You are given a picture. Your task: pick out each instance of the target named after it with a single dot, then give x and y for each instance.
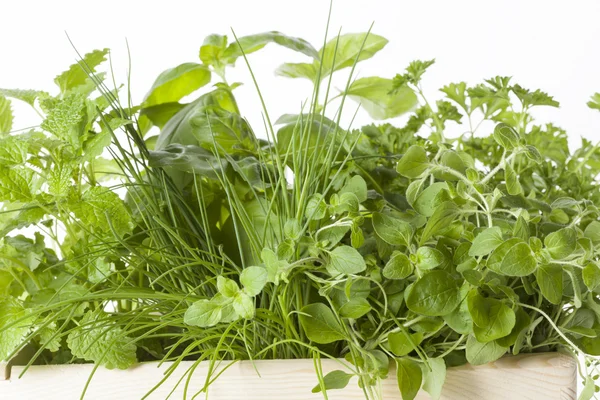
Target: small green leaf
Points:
(356, 185)
(434, 195)
(102, 209)
(434, 372)
(103, 342)
(320, 324)
(400, 344)
(410, 378)
(589, 387)
(392, 230)
(345, 260)
(443, 216)
(492, 318)
(244, 305)
(175, 83)
(550, 279)
(203, 313)
(513, 186)
(506, 136)
(6, 115)
(355, 308)
(482, 353)
(429, 258)
(398, 267)
(591, 276)
(334, 380)
(227, 287)
(62, 121)
(78, 74)
(413, 163)
(211, 51)
(11, 338)
(435, 294)
(486, 242)
(592, 231)
(253, 279)
(513, 258)
(561, 243)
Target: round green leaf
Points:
(398, 267)
(435, 294)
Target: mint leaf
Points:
(6, 116)
(62, 121)
(102, 209)
(78, 74)
(203, 313)
(101, 341)
(253, 279)
(11, 338)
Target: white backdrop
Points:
(546, 44)
(552, 45)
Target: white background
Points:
(552, 45)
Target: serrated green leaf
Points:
(11, 338)
(6, 115)
(63, 120)
(203, 313)
(102, 209)
(102, 342)
(77, 74)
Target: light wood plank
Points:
(548, 376)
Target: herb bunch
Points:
(373, 246)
